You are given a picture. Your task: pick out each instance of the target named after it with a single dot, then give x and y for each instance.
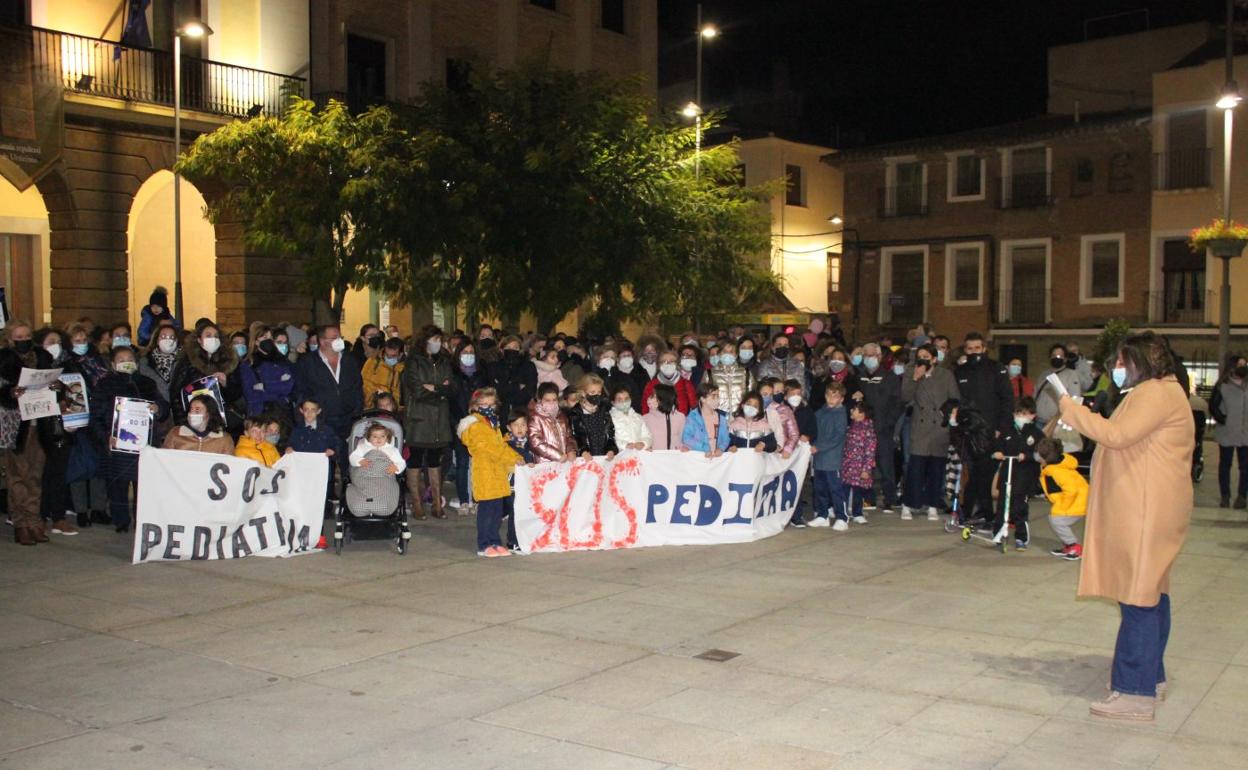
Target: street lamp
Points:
(836, 220)
(1227, 102)
(194, 29)
(694, 108)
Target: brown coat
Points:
(1140, 503)
(185, 439)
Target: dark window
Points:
(965, 274)
(366, 72)
(1082, 179)
(1103, 262)
(550, 5)
(968, 179)
(613, 15)
(458, 74)
(834, 272)
(13, 12)
(794, 195)
(1120, 176)
(1183, 273)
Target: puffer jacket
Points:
(733, 383)
(493, 461)
(697, 437)
(858, 457)
(193, 365)
(187, 440)
(550, 438)
(783, 426)
(1065, 487)
(275, 377)
(929, 434)
(263, 452)
(594, 432)
(428, 411)
(380, 377)
(630, 428)
(788, 369)
(1229, 407)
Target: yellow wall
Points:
(23, 213)
(90, 18)
(150, 238)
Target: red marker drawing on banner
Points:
(629, 467)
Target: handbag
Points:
(10, 424)
(83, 461)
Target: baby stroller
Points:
(372, 496)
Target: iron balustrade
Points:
(1183, 169)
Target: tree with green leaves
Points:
(314, 185)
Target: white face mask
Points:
(794, 401)
(197, 421)
(433, 346)
(54, 350)
(749, 411)
(607, 363)
(167, 344)
(668, 369)
(210, 344)
(688, 364)
(338, 345)
(747, 355)
(626, 364)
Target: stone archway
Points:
(25, 235)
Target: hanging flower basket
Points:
(1221, 239)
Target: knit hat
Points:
(160, 296)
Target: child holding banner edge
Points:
(492, 463)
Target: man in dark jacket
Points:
(984, 385)
(881, 390)
(332, 380)
(515, 377)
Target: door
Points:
(904, 301)
(1028, 300)
(18, 256)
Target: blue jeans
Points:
(925, 481)
(1142, 638)
(1225, 455)
(829, 494)
(489, 518)
(856, 496)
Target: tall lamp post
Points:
(836, 220)
(694, 109)
(1229, 100)
(195, 29)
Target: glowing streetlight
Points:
(709, 31)
(196, 30)
(694, 109)
(691, 110)
(836, 220)
(1227, 102)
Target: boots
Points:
(39, 532)
(414, 492)
(23, 536)
(435, 494)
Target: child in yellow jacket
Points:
(492, 462)
(1067, 491)
(259, 441)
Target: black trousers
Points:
(55, 500)
(978, 486)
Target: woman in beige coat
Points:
(1139, 508)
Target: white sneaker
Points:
(906, 513)
(932, 513)
(869, 507)
(454, 504)
(860, 519)
(818, 521)
(841, 525)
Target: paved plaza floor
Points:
(891, 646)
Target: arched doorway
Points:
(149, 235)
(24, 248)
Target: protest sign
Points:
(75, 407)
(207, 386)
(195, 506)
(38, 400)
(657, 498)
(132, 424)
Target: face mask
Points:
(197, 421)
(490, 413)
(715, 360)
(727, 359)
(871, 362)
(54, 350)
(607, 363)
(747, 355)
(780, 353)
(127, 367)
(1015, 370)
(375, 341)
(240, 350)
(1120, 375)
(940, 356)
(1057, 362)
(794, 401)
(973, 358)
(688, 364)
(392, 360)
(312, 347)
(81, 348)
(778, 398)
(338, 345)
(836, 365)
(273, 438)
(1022, 422)
(121, 342)
(268, 347)
(668, 369)
(626, 364)
(167, 344)
(623, 406)
(750, 411)
(433, 347)
(468, 359)
(511, 355)
(650, 358)
(210, 344)
(283, 348)
(856, 359)
(548, 408)
(1072, 359)
(1241, 372)
(899, 369)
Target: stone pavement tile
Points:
(835, 726)
(1222, 714)
(757, 636)
(617, 690)
(553, 717)
(1206, 638)
(1032, 697)
(17, 629)
(673, 669)
(168, 589)
(1064, 668)
(835, 662)
(869, 601)
(22, 726)
(290, 724)
(980, 723)
(574, 755)
(917, 671)
(741, 600)
(623, 622)
(420, 691)
(89, 613)
(166, 633)
(752, 754)
(1104, 742)
(288, 607)
(1186, 754)
(455, 745)
(911, 747)
(303, 645)
(102, 750)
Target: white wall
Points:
(150, 238)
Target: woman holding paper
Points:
(1139, 509)
(119, 428)
(23, 455)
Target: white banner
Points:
(657, 498)
(195, 505)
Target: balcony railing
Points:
(902, 308)
(1192, 308)
(903, 201)
(1021, 191)
(105, 68)
(1183, 169)
(1023, 307)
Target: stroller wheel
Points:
(966, 534)
(1004, 545)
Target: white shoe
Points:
(869, 507)
(860, 519)
(818, 521)
(932, 514)
(454, 504)
(906, 513)
(841, 525)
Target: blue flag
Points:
(135, 34)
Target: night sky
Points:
(868, 71)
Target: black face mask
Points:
(267, 347)
(23, 346)
(1072, 359)
(375, 341)
(780, 353)
(974, 358)
(1241, 372)
(486, 344)
(1058, 362)
(511, 355)
(599, 400)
